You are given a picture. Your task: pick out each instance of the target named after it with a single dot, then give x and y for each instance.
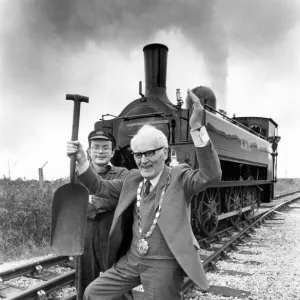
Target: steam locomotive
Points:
(247, 146)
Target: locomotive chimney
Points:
(155, 56)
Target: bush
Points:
(25, 215)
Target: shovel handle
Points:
(75, 127)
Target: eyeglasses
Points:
(148, 154)
(102, 148)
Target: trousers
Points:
(93, 260)
(159, 282)
(89, 265)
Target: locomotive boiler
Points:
(247, 146)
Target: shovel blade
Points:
(69, 208)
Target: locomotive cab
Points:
(265, 127)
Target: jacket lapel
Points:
(129, 189)
(128, 194)
(162, 182)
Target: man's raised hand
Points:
(197, 117)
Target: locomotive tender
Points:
(247, 146)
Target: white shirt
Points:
(200, 136)
(153, 181)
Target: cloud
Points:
(258, 25)
(40, 35)
(50, 47)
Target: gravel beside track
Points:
(24, 282)
(273, 261)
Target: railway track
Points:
(215, 248)
(242, 234)
(43, 273)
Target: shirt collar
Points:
(155, 180)
(105, 168)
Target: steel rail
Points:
(287, 194)
(41, 290)
(225, 232)
(33, 267)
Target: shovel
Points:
(70, 203)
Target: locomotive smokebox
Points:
(155, 56)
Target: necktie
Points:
(147, 187)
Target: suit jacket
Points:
(174, 219)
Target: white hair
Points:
(149, 132)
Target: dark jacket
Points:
(101, 204)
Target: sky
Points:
(248, 52)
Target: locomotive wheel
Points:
(208, 210)
(251, 197)
(234, 198)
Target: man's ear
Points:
(113, 152)
(88, 151)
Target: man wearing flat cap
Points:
(162, 248)
(92, 262)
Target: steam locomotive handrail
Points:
(235, 122)
(242, 183)
(127, 118)
(150, 122)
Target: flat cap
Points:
(101, 135)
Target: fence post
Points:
(41, 176)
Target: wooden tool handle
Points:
(75, 127)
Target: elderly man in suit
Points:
(161, 247)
